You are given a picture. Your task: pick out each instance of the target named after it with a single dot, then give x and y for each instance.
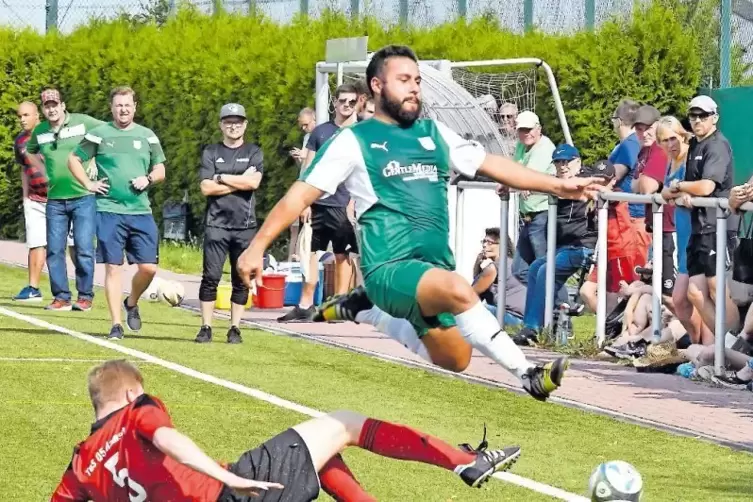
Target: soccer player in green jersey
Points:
(397, 169)
(129, 160)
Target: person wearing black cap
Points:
(576, 241)
(230, 173)
(709, 172)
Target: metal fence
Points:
(551, 16)
(657, 203)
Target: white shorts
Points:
(35, 216)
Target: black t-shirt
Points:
(320, 135)
(710, 159)
(576, 224)
(236, 210)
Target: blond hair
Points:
(673, 124)
(107, 381)
(122, 90)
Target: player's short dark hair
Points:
(345, 89)
(380, 57)
(626, 111)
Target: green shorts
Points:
(392, 287)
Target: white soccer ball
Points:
(615, 481)
(172, 292)
(152, 292)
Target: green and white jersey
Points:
(122, 155)
(398, 178)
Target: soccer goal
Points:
(479, 100)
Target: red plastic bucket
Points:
(271, 295)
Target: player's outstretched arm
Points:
(300, 196)
(514, 175)
(183, 450)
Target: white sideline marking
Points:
(262, 396)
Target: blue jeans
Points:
(567, 261)
(510, 319)
(531, 245)
(80, 212)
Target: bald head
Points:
(28, 115)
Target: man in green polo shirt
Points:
(129, 160)
(68, 201)
(534, 150)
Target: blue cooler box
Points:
(294, 283)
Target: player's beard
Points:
(394, 108)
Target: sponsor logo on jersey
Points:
(136, 144)
(380, 146)
(415, 171)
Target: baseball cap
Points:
(527, 120)
(704, 103)
(232, 110)
(647, 115)
(565, 152)
(51, 95)
(602, 169)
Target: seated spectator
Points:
(485, 279)
(576, 240)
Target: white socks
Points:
(481, 329)
(397, 329)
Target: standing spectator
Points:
(576, 241)
(328, 215)
(648, 178)
(34, 186)
(508, 113)
(69, 204)
(673, 137)
(364, 95)
(230, 173)
(709, 172)
(129, 160)
(307, 123)
(624, 157)
(534, 150)
(368, 110)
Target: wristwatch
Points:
(149, 178)
(218, 179)
(675, 185)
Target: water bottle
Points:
(564, 324)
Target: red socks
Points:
(340, 484)
(401, 442)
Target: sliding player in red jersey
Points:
(135, 454)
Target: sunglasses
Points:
(489, 242)
(699, 116)
(507, 117)
(350, 102)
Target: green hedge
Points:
(186, 69)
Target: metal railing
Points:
(657, 205)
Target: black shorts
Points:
(331, 224)
(669, 271)
(702, 253)
(284, 459)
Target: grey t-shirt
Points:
(319, 136)
(516, 292)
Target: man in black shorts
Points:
(135, 453)
(231, 171)
(328, 216)
(709, 172)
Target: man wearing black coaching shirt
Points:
(230, 173)
(709, 172)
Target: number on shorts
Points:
(138, 494)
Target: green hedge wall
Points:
(186, 69)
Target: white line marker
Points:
(262, 396)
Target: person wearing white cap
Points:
(230, 174)
(534, 150)
(709, 172)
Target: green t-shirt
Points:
(122, 155)
(398, 177)
(55, 147)
(538, 158)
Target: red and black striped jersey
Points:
(35, 175)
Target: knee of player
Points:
(460, 292)
(148, 268)
(352, 423)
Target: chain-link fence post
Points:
(528, 15)
(51, 10)
(305, 7)
(355, 7)
(404, 13)
(725, 44)
(462, 8)
(590, 14)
